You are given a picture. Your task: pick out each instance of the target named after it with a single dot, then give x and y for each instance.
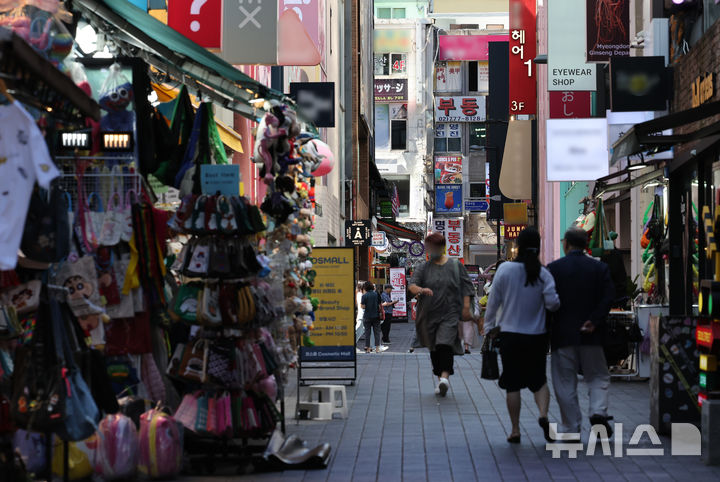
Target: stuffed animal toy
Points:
(116, 95)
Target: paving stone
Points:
(398, 430)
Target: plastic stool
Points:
(317, 410)
(328, 394)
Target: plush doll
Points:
(116, 95)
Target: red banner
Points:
(198, 20)
(570, 104)
(523, 48)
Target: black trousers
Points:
(385, 327)
(372, 327)
(442, 359)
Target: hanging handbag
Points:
(113, 221)
(600, 241)
(125, 217)
(185, 305)
(219, 266)
(81, 412)
(186, 413)
(47, 234)
(80, 278)
(25, 298)
(38, 392)
(209, 305)
(194, 363)
(199, 262)
(151, 377)
(220, 361)
(126, 306)
(490, 369)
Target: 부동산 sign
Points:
(333, 332)
(567, 67)
(460, 108)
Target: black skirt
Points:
(523, 361)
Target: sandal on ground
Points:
(514, 439)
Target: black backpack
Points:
(46, 237)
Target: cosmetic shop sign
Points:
(333, 332)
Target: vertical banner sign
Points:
(452, 229)
(333, 331)
(250, 23)
(523, 46)
(198, 20)
(398, 282)
(567, 67)
(608, 29)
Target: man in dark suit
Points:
(586, 292)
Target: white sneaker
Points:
(383, 348)
(442, 387)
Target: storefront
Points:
(112, 303)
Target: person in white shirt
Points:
(523, 290)
(359, 292)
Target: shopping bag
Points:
(81, 456)
(490, 369)
(186, 413)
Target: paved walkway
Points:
(397, 430)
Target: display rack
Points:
(629, 366)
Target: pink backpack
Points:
(160, 445)
(117, 453)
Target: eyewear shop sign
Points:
(391, 90)
(567, 68)
(460, 109)
(334, 330)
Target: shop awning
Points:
(397, 230)
(141, 35)
(228, 136)
(647, 136)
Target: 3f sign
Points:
(515, 105)
(250, 15)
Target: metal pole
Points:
(499, 250)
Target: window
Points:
(447, 77)
(403, 187)
(383, 12)
(382, 64)
(398, 13)
(477, 136)
(448, 137)
(391, 126)
(382, 126)
(477, 190)
(398, 126)
(387, 64)
(472, 76)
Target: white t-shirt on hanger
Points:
(24, 159)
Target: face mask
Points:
(435, 256)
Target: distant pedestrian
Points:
(586, 293)
(359, 292)
(370, 303)
(445, 289)
(388, 304)
(523, 290)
